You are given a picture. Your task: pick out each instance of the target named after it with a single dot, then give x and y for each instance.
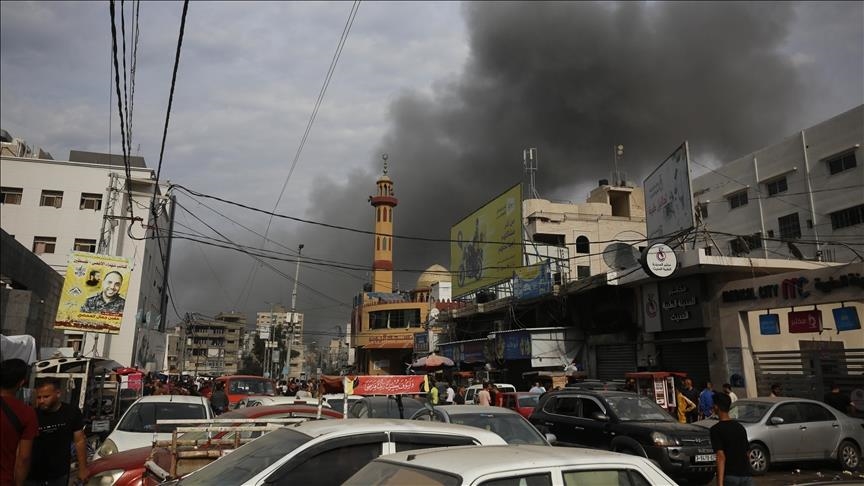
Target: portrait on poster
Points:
(94, 293)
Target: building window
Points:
(583, 271)
(744, 244)
(44, 244)
(11, 195)
(738, 199)
(52, 199)
(702, 209)
(394, 319)
(91, 201)
(777, 186)
(88, 246)
(842, 162)
(847, 217)
(790, 227)
(583, 245)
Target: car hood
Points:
(672, 429)
(133, 440)
(126, 460)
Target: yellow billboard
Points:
(486, 246)
(93, 293)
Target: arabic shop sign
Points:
(680, 304)
(421, 342)
(805, 321)
(793, 288)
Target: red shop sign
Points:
(805, 321)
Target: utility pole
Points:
(287, 369)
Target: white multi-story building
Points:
(266, 321)
(56, 206)
(791, 199)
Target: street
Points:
(785, 474)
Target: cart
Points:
(657, 385)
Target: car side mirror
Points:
(599, 416)
(551, 438)
(776, 420)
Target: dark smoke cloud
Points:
(572, 79)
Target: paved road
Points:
(784, 474)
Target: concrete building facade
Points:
(213, 345)
(54, 207)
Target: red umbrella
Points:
(432, 361)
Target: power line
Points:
(126, 164)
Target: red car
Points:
(522, 402)
(238, 387)
(127, 468)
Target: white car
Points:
(137, 428)
(278, 400)
(327, 452)
(471, 392)
(511, 465)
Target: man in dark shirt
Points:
(18, 425)
(692, 394)
(837, 399)
(59, 424)
(729, 440)
(108, 299)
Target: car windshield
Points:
(250, 386)
(529, 400)
(748, 412)
(142, 417)
(631, 408)
(380, 473)
(511, 427)
(249, 460)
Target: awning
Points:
(390, 345)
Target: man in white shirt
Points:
(451, 395)
(483, 396)
(537, 388)
(727, 389)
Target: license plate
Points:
(706, 457)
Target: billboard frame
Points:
(682, 219)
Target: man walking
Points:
(729, 440)
(693, 395)
(59, 425)
(450, 395)
(727, 389)
(483, 397)
(706, 401)
(18, 425)
(537, 388)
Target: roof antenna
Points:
(530, 162)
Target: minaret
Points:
(383, 202)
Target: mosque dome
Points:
(434, 274)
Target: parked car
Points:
(257, 401)
(137, 427)
(796, 429)
(505, 422)
(521, 402)
(629, 423)
(238, 387)
(327, 452)
(385, 407)
(522, 465)
(471, 392)
(127, 468)
(337, 400)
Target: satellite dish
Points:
(795, 251)
(619, 256)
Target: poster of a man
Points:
(108, 299)
(91, 306)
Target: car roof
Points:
(477, 461)
(591, 391)
(474, 409)
(172, 399)
(265, 410)
(480, 385)
(320, 428)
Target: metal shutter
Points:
(690, 357)
(613, 361)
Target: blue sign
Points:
(846, 319)
(514, 345)
(769, 324)
(421, 342)
(532, 281)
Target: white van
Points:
(471, 392)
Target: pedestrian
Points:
(494, 395)
(729, 439)
(219, 399)
(433, 395)
(60, 425)
(459, 399)
(776, 390)
(838, 400)
(451, 395)
(537, 388)
(19, 425)
(684, 405)
(727, 389)
(706, 401)
(483, 397)
(693, 395)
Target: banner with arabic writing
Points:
(93, 296)
(386, 385)
(681, 304)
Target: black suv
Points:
(626, 422)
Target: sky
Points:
(452, 92)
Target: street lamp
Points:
(287, 369)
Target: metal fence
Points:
(809, 373)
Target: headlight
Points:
(662, 440)
(105, 478)
(107, 448)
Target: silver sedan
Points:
(796, 429)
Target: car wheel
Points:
(848, 455)
(758, 458)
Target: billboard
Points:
(93, 296)
(668, 196)
(532, 281)
(486, 247)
